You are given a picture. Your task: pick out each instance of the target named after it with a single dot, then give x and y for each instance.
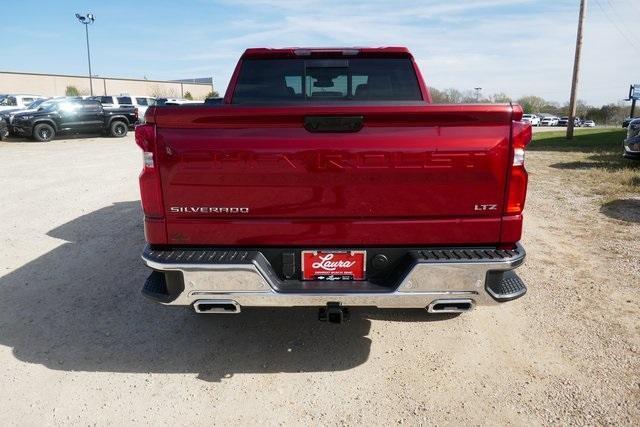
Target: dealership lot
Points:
(78, 343)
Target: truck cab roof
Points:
(296, 52)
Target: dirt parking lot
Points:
(79, 344)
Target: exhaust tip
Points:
(450, 306)
(216, 306)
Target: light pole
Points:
(87, 20)
(477, 89)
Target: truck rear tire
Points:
(118, 129)
(43, 132)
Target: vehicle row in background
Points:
(140, 102)
(11, 103)
(8, 114)
(17, 101)
(71, 115)
(43, 118)
(549, 120)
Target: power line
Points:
(616, 27)
(633, 5)
(621, 19)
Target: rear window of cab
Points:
(309, 80)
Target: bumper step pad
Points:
(466, 255)
(199, 256)
(510, 287)
(155, 287)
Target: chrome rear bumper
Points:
(478, 274)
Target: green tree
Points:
(187, 95)
(532, 104)
(437, 97)
(71, 91)
(455, 96)
(500, 98)
(446, 96)
(607, 114)
(470, 96)
(581, 109)
(213, 94)
(551, 108)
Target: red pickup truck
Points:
(327, 178)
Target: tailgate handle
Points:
(333, 124)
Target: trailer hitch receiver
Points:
(334, 312)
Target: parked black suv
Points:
(4, 129)
(73, 116)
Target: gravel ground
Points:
(79, 344)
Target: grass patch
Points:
(584, 141)
(597, 155)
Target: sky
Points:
(519, 47)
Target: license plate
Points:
(334, 265)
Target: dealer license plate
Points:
(334, 265)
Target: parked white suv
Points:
(531, 118)
(113, 101)
(11, 102)
(141, 102)
(549, 121)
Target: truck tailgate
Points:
(412, 175)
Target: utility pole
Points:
(576, 72)
(87, 20)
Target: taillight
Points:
(517, 181)
(150, 189)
